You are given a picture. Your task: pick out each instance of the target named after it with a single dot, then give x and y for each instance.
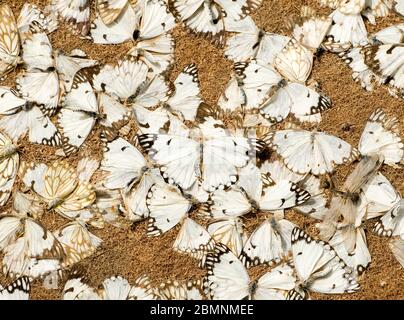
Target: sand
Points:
(130, 253)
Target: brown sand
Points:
(130, 253)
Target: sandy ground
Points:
(130, 253)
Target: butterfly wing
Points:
(41, 128)
(284, 194)
(17, 290)
(30, 14)
(167, 208)
(110, 10)
(360, 71)
(222, 156)
(227, 203)
(67, 65)
(9, 41)
(76, 236)
(142, 289)
(186, 98)
(135, 199)
(256, 81)
(227, 278)
(115, 288)
(380, 136)
(348, 28)
(397, 247)
(228, 232)
(318, 265)
(269, 243)
(294, 62)
(178, 157)
(306, 103)
(124, 164)
(41, 88)
(203, 18)
(76, 289)
(117, 32)
(9, 164)
(122, 80)
(275, 284)
(75, 13)
(174, 290)
(392, 223)
(193, 239)
(399, 7)
(151, 121)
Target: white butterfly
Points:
(17, 290)
(68, 65)
(82, 108)
(186, 98)
(76, 236)
(13, 32)
(16, 109)
(318, 267)
(45, 68)
(9, 164)
(305, 151)
(389, 35)
(227, 279)
(194, 240)
(152, 121)
(114, 288)
(207, 17)
(30, 14)
(128, 171)
(148, 26)
(347, 200)
(250, 196)
(345, 6)
(28, 204)
(378, 197)
(124, 164)
(397, 247)
(118, 288)
(110, 10)
(130, 83)
(309, 28)
(360, 71)
(40, 82)
(376, 8)
(315, 205)
(58, 185)
(399, 7)
(29, 249)
(76, 13)
(387, 62)
(276, 96)
(392, 223)
(233, 97)
(229, 232)
(381, 136)
(167, 207)
(174, 290)
(76, 289)
(251, 42)
(350, 202)
(269, 243)
(348, 25)
(9, 41)
(179, 157)
(359, 258)
(356, 60)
